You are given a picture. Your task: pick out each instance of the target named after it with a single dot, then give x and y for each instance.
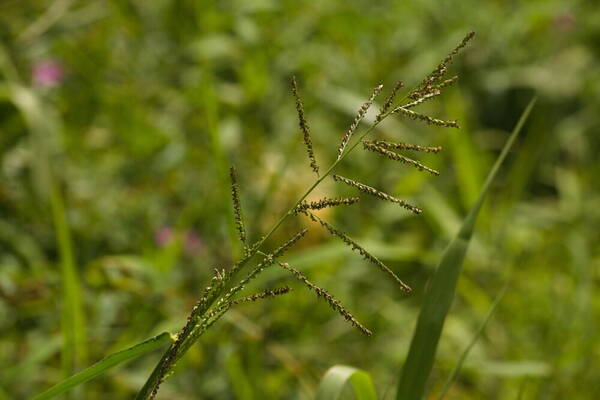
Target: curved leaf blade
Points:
(438, 299)
(106, 363)
(337, 377)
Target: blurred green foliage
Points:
(140, 108)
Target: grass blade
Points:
(45, 132)
(472, 343)
(438, 298)
(337, 377)
(106, 363)
(73, 317)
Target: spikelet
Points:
(359, 116)
(438, 73)
(237, 208)
(389, 101)
(304, 127)
(374, 192)
(332, 301)
(359, 249)
(397, 157)
(425, 118)
(407, 146)
(325, 202)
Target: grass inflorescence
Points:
(221, 293)
(374, 147)
(377, 193)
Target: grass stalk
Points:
(42, 125)
(438, 299)
(459, 364)
(103, 365)
(148, 391)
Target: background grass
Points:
(159, 97)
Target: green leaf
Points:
(45, 136)
(106, 363)
(337, 377)
(438, 299)
(476, 337)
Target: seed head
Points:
(333, 303)
(237, 208)
(425, 118)
(359, 116)
(407, 146)
(359, 249)
(326, 202)
(389, 101)
(304, 127)
(374, 192)
(397, 157)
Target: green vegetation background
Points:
(157, 98)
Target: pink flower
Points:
(193, 243)
(163, 236)
(47, 74)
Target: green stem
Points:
(173, 352)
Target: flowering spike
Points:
(407, 146)
(438, 73)
(237, 208)
(332, 301)
(446, 83)
(360, 250)
(374, 192)
(389, 101)
(267, 261)
(304, 127)
(263, 295)
(326, 202)
(434, 93)
(359, 116)
(425, 118)
(397, 157)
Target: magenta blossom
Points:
(193, 243)
(47, 74)
(163, 236)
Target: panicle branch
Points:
(447, 82)
(374, 192)
(406, 146)
(268, 260)
(304, 127)
(263, 295)
(397, 157)
(425, 118)
(438, 73)
(434, 93)
(325, 202)
(359, 116)
(237, 208)
(332, 301)
(389, 101)
(217, 312)
(359, 249)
